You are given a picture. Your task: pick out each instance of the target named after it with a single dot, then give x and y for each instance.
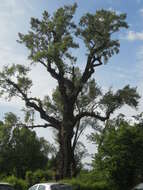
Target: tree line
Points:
(116, 164)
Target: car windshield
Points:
(6, 187)
(34, 187)
(61, 187)
(139, 187)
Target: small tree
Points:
(50, 42)
(120, 154)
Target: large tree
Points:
(50, 42)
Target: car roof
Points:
(139, 186)
(4, 183)
(50, 184)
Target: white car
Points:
(138, 187)
(51, 186)
(6, 186)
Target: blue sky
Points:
(124, 68)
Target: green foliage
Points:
(19, 74)
(120, 153)
(20, 149)
(29, 116)
(57, 100)
(80, 153)
(38, 176)
(96, 30)
(112, 101)
(79, 184)
(18, 184)
(29, 178)
(27, 152)
(51, 37)
(90, 92)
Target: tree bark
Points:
(65, 157)
(67, 170)
(74, 165)
(60, 161)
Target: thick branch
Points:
(43, 114)
(89, 70)
(99, 62)
(76, 136)
(90, 66)
(36, 107)
(93, 115)
(63, 82)
(36, 126)
(17, 88)
(52, 71)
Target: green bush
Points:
(19, 184)
(29, 178)
(80, 185)
(38, 177)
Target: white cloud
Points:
(114, 10)
(138, 1)
(133, 35)
(141, 12)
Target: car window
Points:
(61, 187)
(6, 187)
(41, 187)
(33, 187)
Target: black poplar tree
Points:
(50, 42)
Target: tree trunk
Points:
(67, 171)
(74, 165)
(65, 151)
(60, 160)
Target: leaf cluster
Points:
(14, 74)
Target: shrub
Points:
(38, 177)
(80, 185)
(19, 184)
(29, 178)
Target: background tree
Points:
(20, 149)
(50, 41)
(119, 157)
